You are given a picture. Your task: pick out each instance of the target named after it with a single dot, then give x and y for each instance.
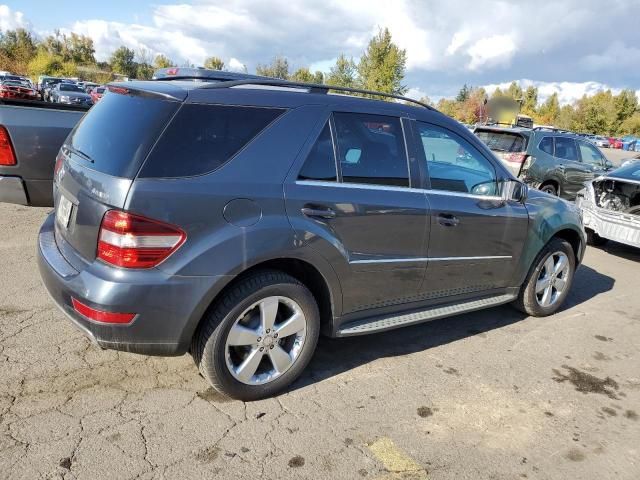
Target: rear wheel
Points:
(258, 337)
(549, 280)
(594, 239)
(549, 188)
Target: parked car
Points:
(17, 89)
(615, 143)
(610, 206)
(629, 142)
(89, 86)
(46, 87)
(31, 134)
(554, 161)
(238, 223)
(600, 141)
(71, 94)
(96, 93)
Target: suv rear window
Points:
(201, 138)
(502, 141)
(118, 132)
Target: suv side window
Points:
(371, 149)
(566, 149)
(320, 163)
(546, 145)
(454, 164)
(590, 154)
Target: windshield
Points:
(65, 87)
(100, 90)
(503, 141)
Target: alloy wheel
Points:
(553, 279)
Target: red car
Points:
(96, 93)
(615, 143)
(17, 90)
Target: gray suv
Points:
(239, 219)
(554, 161)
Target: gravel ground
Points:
(493, 394)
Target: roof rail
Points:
(188, 73)
(311, 87)
(553, 129)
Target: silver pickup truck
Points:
(31, 133)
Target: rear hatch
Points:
(510, 146)
(99, 160)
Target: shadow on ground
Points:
(621, 250)
(335, 356)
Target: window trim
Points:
(427, 177)
(311, 145)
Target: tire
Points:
(528, 300)
(635, 210)
(594, 239)
(242, 308)
(550, 189)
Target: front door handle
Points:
(448, 220)
(318, 212)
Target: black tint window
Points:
(201, 138)
(118, 132)
(371, 149)
(546, 145)
(320, 163)
(566, 148)
(502, 141)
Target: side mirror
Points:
(515, 191)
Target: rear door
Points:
(476, 237)
(98, 162)
(350, 197)
(572, 171)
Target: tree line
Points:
(381, 68)
(602, 113)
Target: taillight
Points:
(131, 241)
(172, 71)
(100, 315)
(516, 157)
(7, 156)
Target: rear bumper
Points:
(167, 308)
(12, 190)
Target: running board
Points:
(377, 324)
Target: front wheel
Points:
(549, 280)
(258, 337)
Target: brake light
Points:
(172, 71)
(131, 241)
(516, 157)
(120, 90)
(100, 315)
(7, 156)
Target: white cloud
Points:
(493, 50)
(10, 20)
(236, 65)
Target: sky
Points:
(571, 47)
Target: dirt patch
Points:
(424, 412)
(452, 371)
(601, 356)
(587, 383)
(208, 455)
(610, 411)
(602, 338)
(631, 415)
(296, 461)
(66, 463)
(575, 455)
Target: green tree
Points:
(278, 68)
(122, 61)
(303, 74)
(631, 125)
(549, 110)
(163, 62)
(214, 63)
(463, 94)
(17, 49)
(514, 91)
(343, 73)
(530, 101)
(497, 93)
(382, 65)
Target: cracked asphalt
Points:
(493, 394)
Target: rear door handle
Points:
(318, 212)
(448, 220)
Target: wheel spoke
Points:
(293, 325)
(247, 369)
(279, 358)
(240, 335)
(268, 312)
(547, 295)
(562, 264)
(542, 284)
(560, 284)
(548, 265)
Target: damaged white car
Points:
(610, 206)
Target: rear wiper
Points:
(80, 153)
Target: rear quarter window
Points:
(201, 138)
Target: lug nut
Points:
(268, 330)
(262, 349)
(271, 347)
(275, 335)
(259, 339)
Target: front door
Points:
(476, 237)
(350, 198)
